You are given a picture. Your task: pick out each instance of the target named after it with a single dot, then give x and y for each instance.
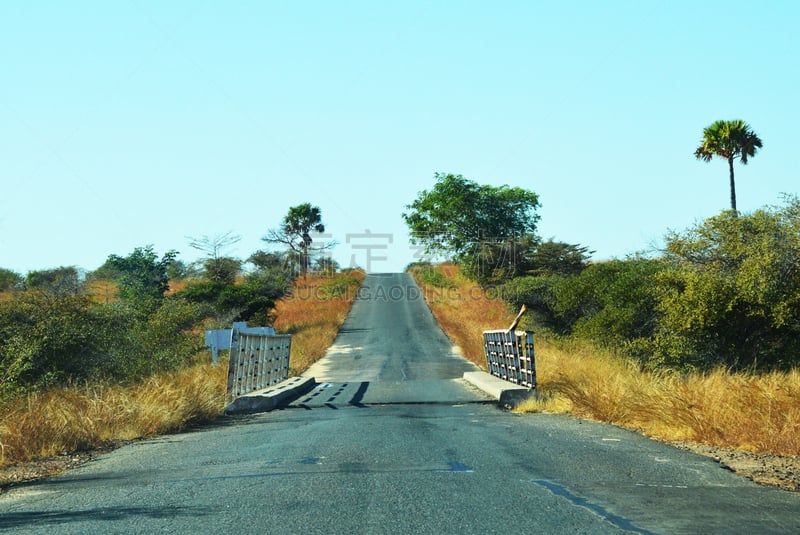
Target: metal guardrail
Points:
(257, 361)
(509, 356)
(219, 339)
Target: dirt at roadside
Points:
(765, 469)
(28, 472)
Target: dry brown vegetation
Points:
(88, 416)
(80, 417)
(752, 412)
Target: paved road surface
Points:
(391, 350)
(354, 457)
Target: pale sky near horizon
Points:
(133, 123)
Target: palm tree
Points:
(729, 140)
(295, 231)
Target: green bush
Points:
(46, 340)
(610, 303)
(726, 292)
(251, 300)
(163, 341)
(10, 280)
(539, 295)
(732, 296)
(618, 303)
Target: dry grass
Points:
(464, 311)
(102, 291)
(757, 413)
(81, 417)
(91, 416)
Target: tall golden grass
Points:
(81, 417)
(88, 416)
(753, 412)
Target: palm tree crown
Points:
(729, 140)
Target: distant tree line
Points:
(725, 292)
(137, 314)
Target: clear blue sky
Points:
(130, 123)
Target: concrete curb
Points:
(507, 394)
(270, 398)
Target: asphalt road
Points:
(390, 349)
(359, 455)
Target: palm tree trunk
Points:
(733, 187)
(305, 262)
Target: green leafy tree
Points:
(162, 341)
(179, 270)
(295, 232)
(252, 300)
(326, 266)
(218, 267)
(617, 301)
(224, 269)
(610, 303)
(556, 258)
(458, 215)
(279, 264)
(494, 262)
(46, 338)
(60, 281)
(143, 276)
(9, 280)
(732, 296)
(540, 296)
(729, 140)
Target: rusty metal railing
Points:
(510, 356)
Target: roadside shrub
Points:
(44, 339)
(10, 280)
(540, 296)
(732, 296)
(610, 303)
(164, 341)
(617, 301)
(251, 300)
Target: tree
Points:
(555, 258)
(610, 303)
(64, 280)
(295, 232)
(143, 278)
(458, 214)
(326, 266)
(729, 140)
(9, 279)
(499, 261)
(216, 267)
(213, 246)
(271, 261)
(732, 295)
